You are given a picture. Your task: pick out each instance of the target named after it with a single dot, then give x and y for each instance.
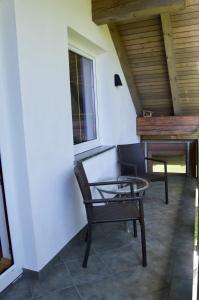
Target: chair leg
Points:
(143, 240)
(86, 235)
(166, 191)
(88, 245)
(134, 228)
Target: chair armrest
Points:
(113, 200)
(160, 161)
(127, 164)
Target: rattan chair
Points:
(132, 163)
(115, 209)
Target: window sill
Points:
(92, 153)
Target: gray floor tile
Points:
(56, 261)
(68, 294)
(157, 247)
(57, 278)
(183, 247)
(112, 227)
(101, 290)
(96, 270)
(122, 259)
(75, 248)
(110, 241)
(65, 294)
(19, 290)
(127, 285)
(183, 266)
(49, 296)
(160, 295)
(181, 289)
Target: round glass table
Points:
(131, 186)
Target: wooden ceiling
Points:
(157, 43)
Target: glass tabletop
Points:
(132, 185)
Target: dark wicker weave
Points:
(112, 209)
(132, 162)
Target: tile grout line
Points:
(74, 284)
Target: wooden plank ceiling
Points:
(144, 45)
(185, 25)
(158, 46)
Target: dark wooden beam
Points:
(110, 11)
(125, 67)
(171, 62)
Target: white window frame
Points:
(85, 146)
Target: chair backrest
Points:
(83, 181)
(134, 154)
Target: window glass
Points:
(82, 98)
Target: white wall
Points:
(12, 144)
(53, 200)
(3, 229)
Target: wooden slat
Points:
(144, 24)
(185, 34)
(194, 27)
(143, 40)
(187, 39)
(145, 56)
(148, 63)
(186, 44)
(171, 120)
(136, 36)
(168, 41)
(144, 29)
(192, 2)
(147, 50)
(141, 47)
(161, 126)
(110, 11)
(171, 137)
(151, 78)
(183, 23)
(186, 15)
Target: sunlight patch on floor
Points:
(175, 164)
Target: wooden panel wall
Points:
(144, 45)
(165, 126)
(185, 26)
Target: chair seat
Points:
(114, 212)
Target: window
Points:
(82, 98)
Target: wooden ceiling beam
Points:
(125, 67)
(171, 63)
(110, 11)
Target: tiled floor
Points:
(114, 269)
